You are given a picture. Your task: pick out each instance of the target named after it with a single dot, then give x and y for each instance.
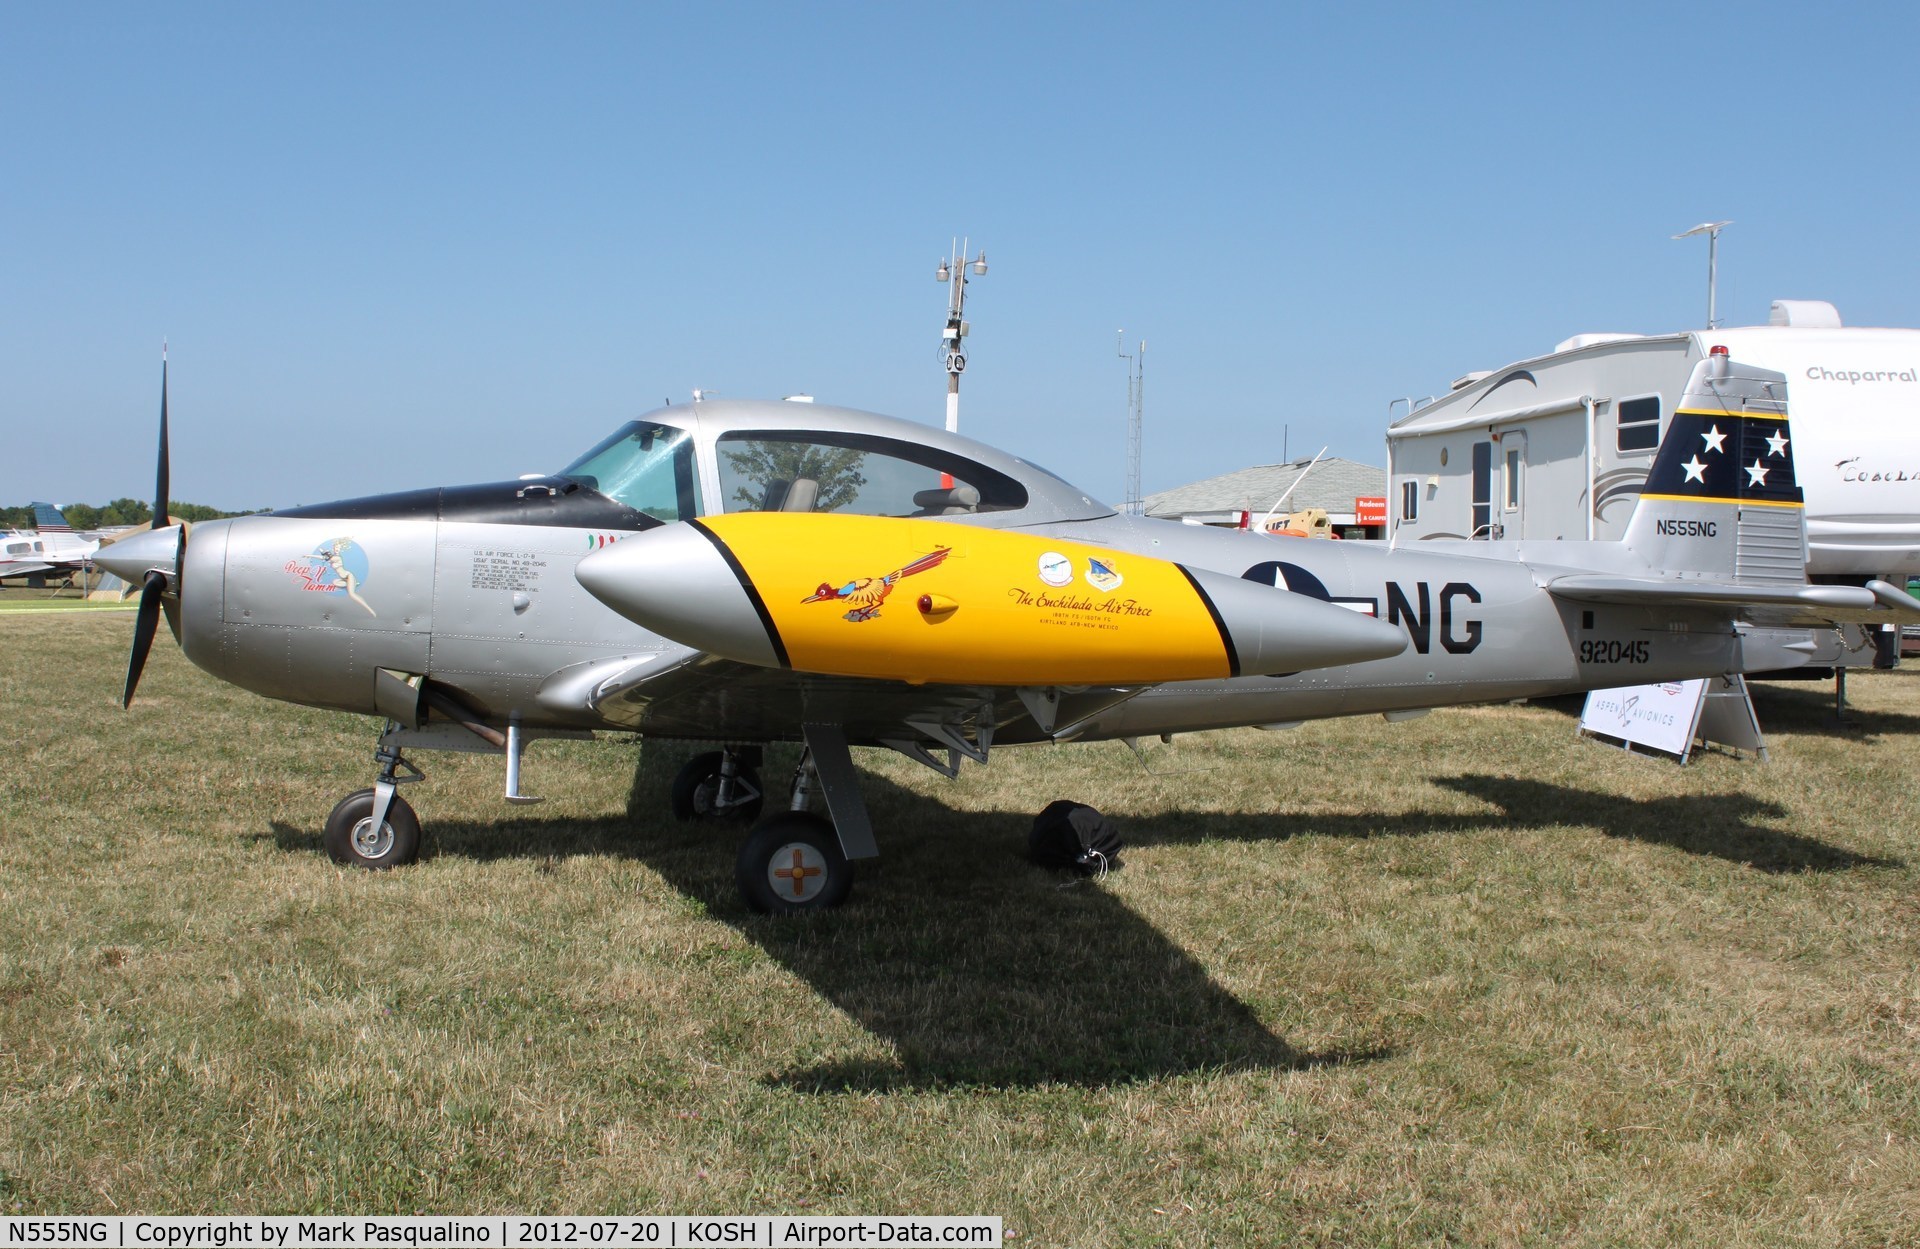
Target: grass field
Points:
(20, 598)
(1466, 979)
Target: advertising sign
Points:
(1659, 717)
(1370, 509)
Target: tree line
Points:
(118, 512)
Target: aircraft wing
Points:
(1800, 606)
(688, 699)
(22, 570)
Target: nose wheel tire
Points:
(791, 864)
(696, 791)
(351, 837)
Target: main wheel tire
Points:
(351, 837)
(696, 791)
(792, 864)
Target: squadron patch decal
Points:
(1103, 576)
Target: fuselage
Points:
(474, 590)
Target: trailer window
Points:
(1409, 500)
(1639, 424)
(1482, 490)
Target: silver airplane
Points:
(752, 572)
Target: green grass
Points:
(1467, 979)
(21, 598)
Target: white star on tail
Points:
(1696, 471)
(1777, 445)
(1714, 439)
(1757, 474)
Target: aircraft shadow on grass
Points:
(980, 969)
(1721, 825)
(974, 966)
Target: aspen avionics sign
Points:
(1668, 716)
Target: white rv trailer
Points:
(1558, 446)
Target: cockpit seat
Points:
(954, 501)
(801, 495)
(798, 495)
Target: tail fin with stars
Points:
(1721, 525)
(1722, 501)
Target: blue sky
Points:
(400, 245)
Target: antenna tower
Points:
(953, 348)
(1136, 383)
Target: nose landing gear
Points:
(376, 828)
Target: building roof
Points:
(1333, 484)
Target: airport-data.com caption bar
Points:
(497, 1232)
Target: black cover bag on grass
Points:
(1073, 836)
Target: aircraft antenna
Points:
(1712, 230)
(1135, 503)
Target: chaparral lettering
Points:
(1853, 377)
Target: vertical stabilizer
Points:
(48, 519)
(1722, 500)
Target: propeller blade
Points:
(145, 621)
(160, 478)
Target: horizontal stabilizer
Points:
(1877, 602)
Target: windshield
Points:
(646, 466)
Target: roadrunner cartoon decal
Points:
(865, 594)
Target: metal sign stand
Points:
(1676, 718)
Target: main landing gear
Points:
(793, 861)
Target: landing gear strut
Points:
(719, 785)
(376, 828)
(796, 862)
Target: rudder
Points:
(1722, 500)
(49, 519)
